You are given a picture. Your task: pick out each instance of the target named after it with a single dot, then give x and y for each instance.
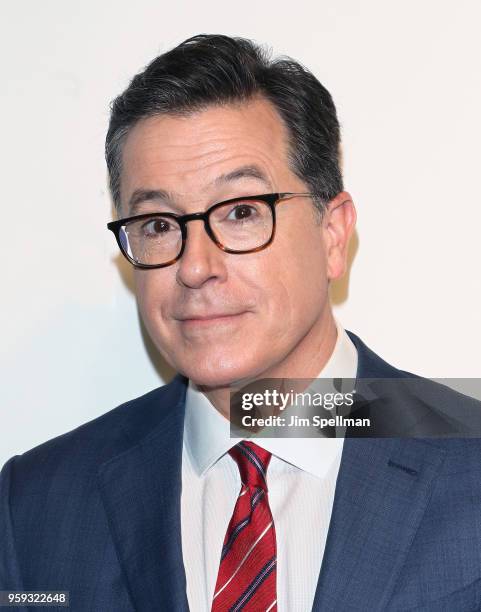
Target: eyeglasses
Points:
(239, 225)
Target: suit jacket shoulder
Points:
(106, 435)
(52, 518)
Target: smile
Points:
(211, 320)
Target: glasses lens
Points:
(242, 225)
(152, 241)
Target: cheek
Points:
(292, 290)
(143, 289)
(301, 300)
(151, 289)
(304, 269)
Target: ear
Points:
(337, 227)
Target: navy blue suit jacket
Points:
(96, 512)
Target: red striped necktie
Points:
(247, 574)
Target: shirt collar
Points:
(207, 432)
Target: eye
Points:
(156, 227)
(241, 212)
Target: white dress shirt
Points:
(301, 480)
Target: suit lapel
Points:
(382, 491)
(141, 491)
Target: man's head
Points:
(209, 70)
(214, 119)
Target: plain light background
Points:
(406, 81)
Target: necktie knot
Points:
(253, 462)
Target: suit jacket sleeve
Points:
(10, 578)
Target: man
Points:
(224, 168)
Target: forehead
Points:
(185, 154)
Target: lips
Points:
(211, 320)
(208, 317)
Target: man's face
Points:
(217, 317)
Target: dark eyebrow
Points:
(249, 171)
(147, 195)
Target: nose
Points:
(201, 260)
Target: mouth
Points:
(210, 319)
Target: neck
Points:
(305, 361)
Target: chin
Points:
(222, 373)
